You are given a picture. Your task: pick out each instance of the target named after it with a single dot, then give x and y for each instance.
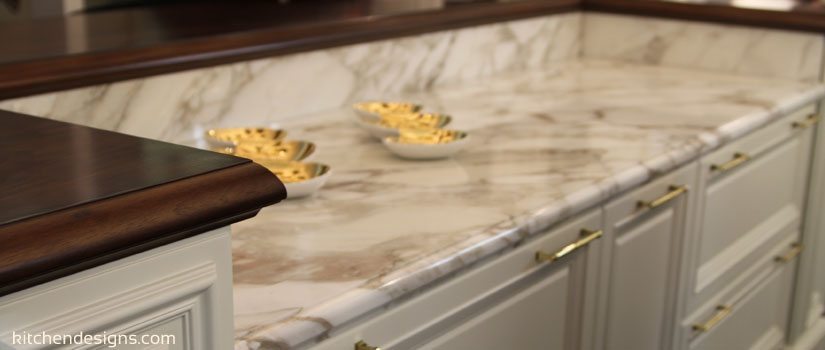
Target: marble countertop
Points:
(545, 146)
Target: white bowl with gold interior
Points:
(389, 124)
(222, 138)
(300, 179)
(427, 144)
(373, 110)
(283, 150)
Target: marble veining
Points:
(177, 107)
(717, 47)
(545, 146)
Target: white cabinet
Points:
(753, 190)
(642, 244)
(183, 290)
(808, 317)
(515, 301)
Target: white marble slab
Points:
(545, 145)
(717, 47)
(177, 107)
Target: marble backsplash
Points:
(716, 47)
(177, 107)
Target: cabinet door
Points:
(516, 300)
(645, 228)
(533, 318)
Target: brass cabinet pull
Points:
(796, 248)
(361, 345)
(674, 191)
(722, 311)
(737, 160)
(587, 237)
(807, 123)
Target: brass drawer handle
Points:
(361, 345)
(674, 191)
(807, 123)
(737, 160)
(722, 311)
(587, 237)
(796, 248)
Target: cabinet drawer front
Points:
(757, 321)
(752, 312)
(483, 295)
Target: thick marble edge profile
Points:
(316, 323)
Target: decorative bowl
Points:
(300, 179)
(426, 144)
(276, 151)
(375, 109)
(388, 125)
(229, 137)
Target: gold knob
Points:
(738, 159)
(674, 191)
(587, 237)
(361, 345)
(722, 311)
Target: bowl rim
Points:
(394, 140)
(281, 133)
(326, 169)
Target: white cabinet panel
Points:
(753, 191)
(643, 263)
(534, 318)
(184, 288)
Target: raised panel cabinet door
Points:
(534, 318)
(645, 228)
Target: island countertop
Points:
(545, 146)
(74, 197)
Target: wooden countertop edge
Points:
(74, 71)
(47, 247)
(798, 20)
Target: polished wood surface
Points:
(73, 197)
(94, 48)
(798, 15)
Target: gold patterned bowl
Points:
(229, 137)
(375, 109)
(300, 179)
(276, 151)
(389, 124)
(427, 144)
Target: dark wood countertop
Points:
(73, 197)
(797, 15)
(52, 54)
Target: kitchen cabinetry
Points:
(748, 229)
